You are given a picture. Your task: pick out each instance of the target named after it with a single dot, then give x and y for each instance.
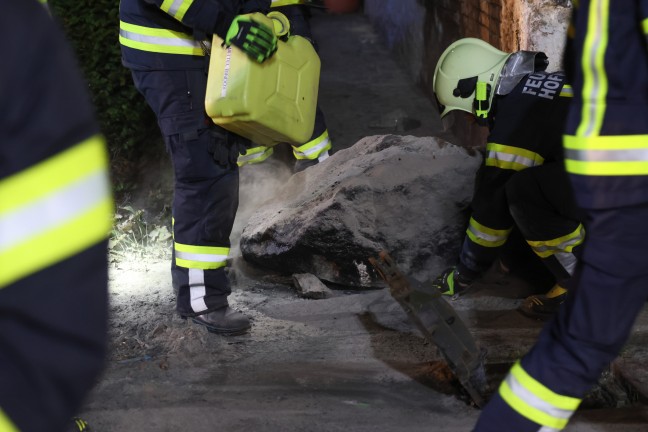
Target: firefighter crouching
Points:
(522, 183)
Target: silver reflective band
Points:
(52, 210)
(197, 290)
(513, 158)
(625, 155)
(534, 401)
(314, 149)
(158, 40)
(252, 156)
(597, 94)
(488, 237)
(567, 260)
(208, 258)
(175, 6)
(561, 247)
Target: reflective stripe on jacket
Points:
(54, 210)
(165, 34)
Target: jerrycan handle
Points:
(281, 24)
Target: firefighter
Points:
(55, 216)
(316, 149)
(522, 183)
(606, 149)
(162, 44)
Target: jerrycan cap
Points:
(280, 22)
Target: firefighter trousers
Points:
(543, 206)
(205, 189)
(606, 293)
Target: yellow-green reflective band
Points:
(200, 257)
(72, 212)
(562, 402)
(176, 8)
(487, 237)
(255, 155)
(279, 3)
(606, 155)
(513, 158)
(158, 40)
(6, 425)
(312, 149)
(536, 402)
(567, 91)
(528, 411)
(567, 243)
(644, 25)
(54, 173)
(595, 83)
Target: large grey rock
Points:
(406, 195)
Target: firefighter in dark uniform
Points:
(55, 216)
(316, 149)
(522, 183)
(606, 157)
(161, 43)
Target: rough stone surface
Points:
(329, 219)
(543, 27)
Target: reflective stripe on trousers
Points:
(487, 237)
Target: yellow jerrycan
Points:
(270, 102)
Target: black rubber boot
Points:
(225, 321)
(542, 307)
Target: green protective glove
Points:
(255, 39)
(451, 283)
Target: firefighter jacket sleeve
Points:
(55, 216)
(204, 16)
(167, 35)
(526, 132)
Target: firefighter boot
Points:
(225, 321)
(542, 307)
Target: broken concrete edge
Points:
(309, 286)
